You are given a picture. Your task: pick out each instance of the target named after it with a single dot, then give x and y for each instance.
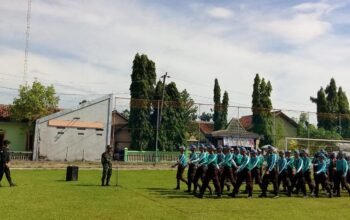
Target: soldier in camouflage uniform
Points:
(5, 163)
(106, 160)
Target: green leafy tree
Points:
(332, 106)
(34, 102)
(224, 106)
(261, 108)
(217, 106)
(321, 103)
(143, 80)
(344, 113)
(206, 116)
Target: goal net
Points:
(314, 145)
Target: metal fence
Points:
(21, 155)
(149, 156)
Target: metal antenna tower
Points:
(25, 70)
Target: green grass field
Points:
(44, 194)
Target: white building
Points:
(81, 133)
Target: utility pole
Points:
(159, 113)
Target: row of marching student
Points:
(292, 171)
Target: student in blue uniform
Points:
(298, 180)
(255, 167)
(202, 168)
(283, 177)
(227, 166)
(244, 174)
(192, 167)
(271, 174)
(181, 165)
(306, 171)
(212, 173)
(321, 174)
(341, 170)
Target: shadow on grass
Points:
(170, 193)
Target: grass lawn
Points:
(43, 194)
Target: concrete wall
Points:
(54, 143)
(16, 133)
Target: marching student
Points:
(283, 177)
(321, 174)
(307, 172)
(212, 173)
(243, 174)
(271, 174)
(227, 166)
(298, 179)
(192, 167)
(181, 165)
(202, 168)
(341, 170)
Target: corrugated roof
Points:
(234, 129)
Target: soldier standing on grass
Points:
(5, 163)
(106, 160)
(181, 165)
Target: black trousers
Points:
(212, 174)
(179, 175)
(299, 182)
(227, 174)
(246, 175)
(106, 175)
(309, 181)
(283, 177)
(256, 176)
(273, 178)
(6, 170)
(200, 174)
(340, 179)
(191, 172)
(323, 180)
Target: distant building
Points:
(81, 133)
(284, 126)
(235, 135)
(17, 132)
(121, 136)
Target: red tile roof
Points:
(206, 127)
(4, 111)
(246, 122)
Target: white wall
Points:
(51, 145)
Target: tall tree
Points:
(225, 102)
(217, 106)
(332, 106)
(321, 103)
(143, 79)
(261, 108)
(344, 113)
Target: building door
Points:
(30, 142)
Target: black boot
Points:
(103, 182)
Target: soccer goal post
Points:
(313, 145)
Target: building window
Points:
(99, 129)
(80, 133)
(99, 134)
(61, 127)
(81, 128)
(60, 132)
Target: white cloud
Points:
(220, 12)
(315, 7)
(301, 28)
(89, 47)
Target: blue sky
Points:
(87, 47)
